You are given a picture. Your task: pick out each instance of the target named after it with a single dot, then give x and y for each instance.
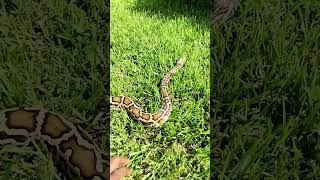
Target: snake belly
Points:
(157, 118)
(22, 126)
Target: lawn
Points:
(52, 56)
(147, 38)
(266, 92)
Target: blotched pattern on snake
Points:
(157, 118)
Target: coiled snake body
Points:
(21, 126)
(154, 119)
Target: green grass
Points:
(147, 38)
(52, 56)
(265, 84)
(266, 92)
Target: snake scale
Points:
(27, 125)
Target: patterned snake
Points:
(222, 9)
(24, 126)
(154, 119)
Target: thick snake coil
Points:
(23, 126)
(154, 119)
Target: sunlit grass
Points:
(146, 41)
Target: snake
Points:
(222, 9)
(25, 126)
(157, 118)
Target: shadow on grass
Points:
(198, 11)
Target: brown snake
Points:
(222, 9)
(24, 126)
(157, 118)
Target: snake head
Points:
(181, 62)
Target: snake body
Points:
(24, 126)
(222, 9)
(154, 119)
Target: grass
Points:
(147, 38)
(52, 56)
(265, 84)
(265, 95)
